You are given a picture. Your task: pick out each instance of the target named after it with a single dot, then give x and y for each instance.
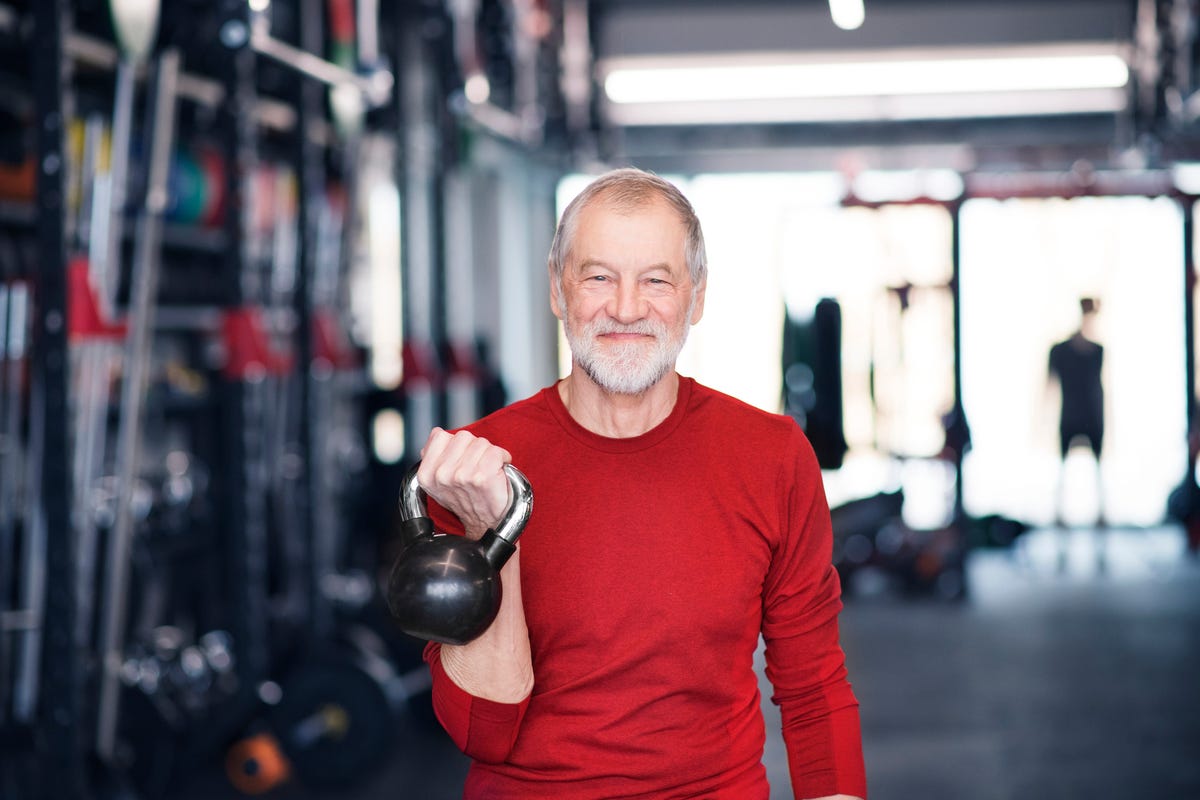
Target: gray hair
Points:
(627, 189)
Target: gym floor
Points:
(1070, 672)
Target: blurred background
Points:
(252, 250)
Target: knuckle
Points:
(443, 474)
(465, 438)
(425, 476)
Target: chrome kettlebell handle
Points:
(511, 524)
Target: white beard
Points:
(631, 367)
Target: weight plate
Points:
(334, 722)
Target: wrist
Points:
(487, 678)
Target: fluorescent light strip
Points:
(861, 109)
(865, 79)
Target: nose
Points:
(628, 304)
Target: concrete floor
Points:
(1072, 671)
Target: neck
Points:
(617, 416)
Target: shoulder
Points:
(709, 400)
(761, 454)
(747, 423)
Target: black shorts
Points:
(1093, 435)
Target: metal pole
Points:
(310, 191)
(93, 360)
(242, 484)
(133, 391)
(7, 475)
(1188, 207)
(60, 711)
(107, 270)
(33, 562)
(421, 226)
(955, 209)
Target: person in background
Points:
(672, 526)
(1075, 365)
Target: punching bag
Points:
(812, 379)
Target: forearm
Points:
(497, 666)
(481, 689)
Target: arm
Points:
(805, 662)
(480, 688)
(1050, 413)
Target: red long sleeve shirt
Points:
(649, 568)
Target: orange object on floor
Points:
(256, 764)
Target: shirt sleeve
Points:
(483, 729)
(805, 662)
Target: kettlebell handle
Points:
(511, 524)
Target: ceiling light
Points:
(884, 81)
(863, 79)
(847, 14)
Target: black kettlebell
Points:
(446, 588)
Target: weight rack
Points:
(69, 703)
(185, 412)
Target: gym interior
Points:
(252, 251)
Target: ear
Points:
(698, 306)
(555, 286)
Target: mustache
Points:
(643, 327)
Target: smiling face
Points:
(626, 298)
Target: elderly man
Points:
(673, 526)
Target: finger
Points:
(469, 476)
(453, 465)
(432, 454)
(487, 476)
(483, 461)
(434, 444)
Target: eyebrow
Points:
(595, 262)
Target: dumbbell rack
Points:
(70, 702)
